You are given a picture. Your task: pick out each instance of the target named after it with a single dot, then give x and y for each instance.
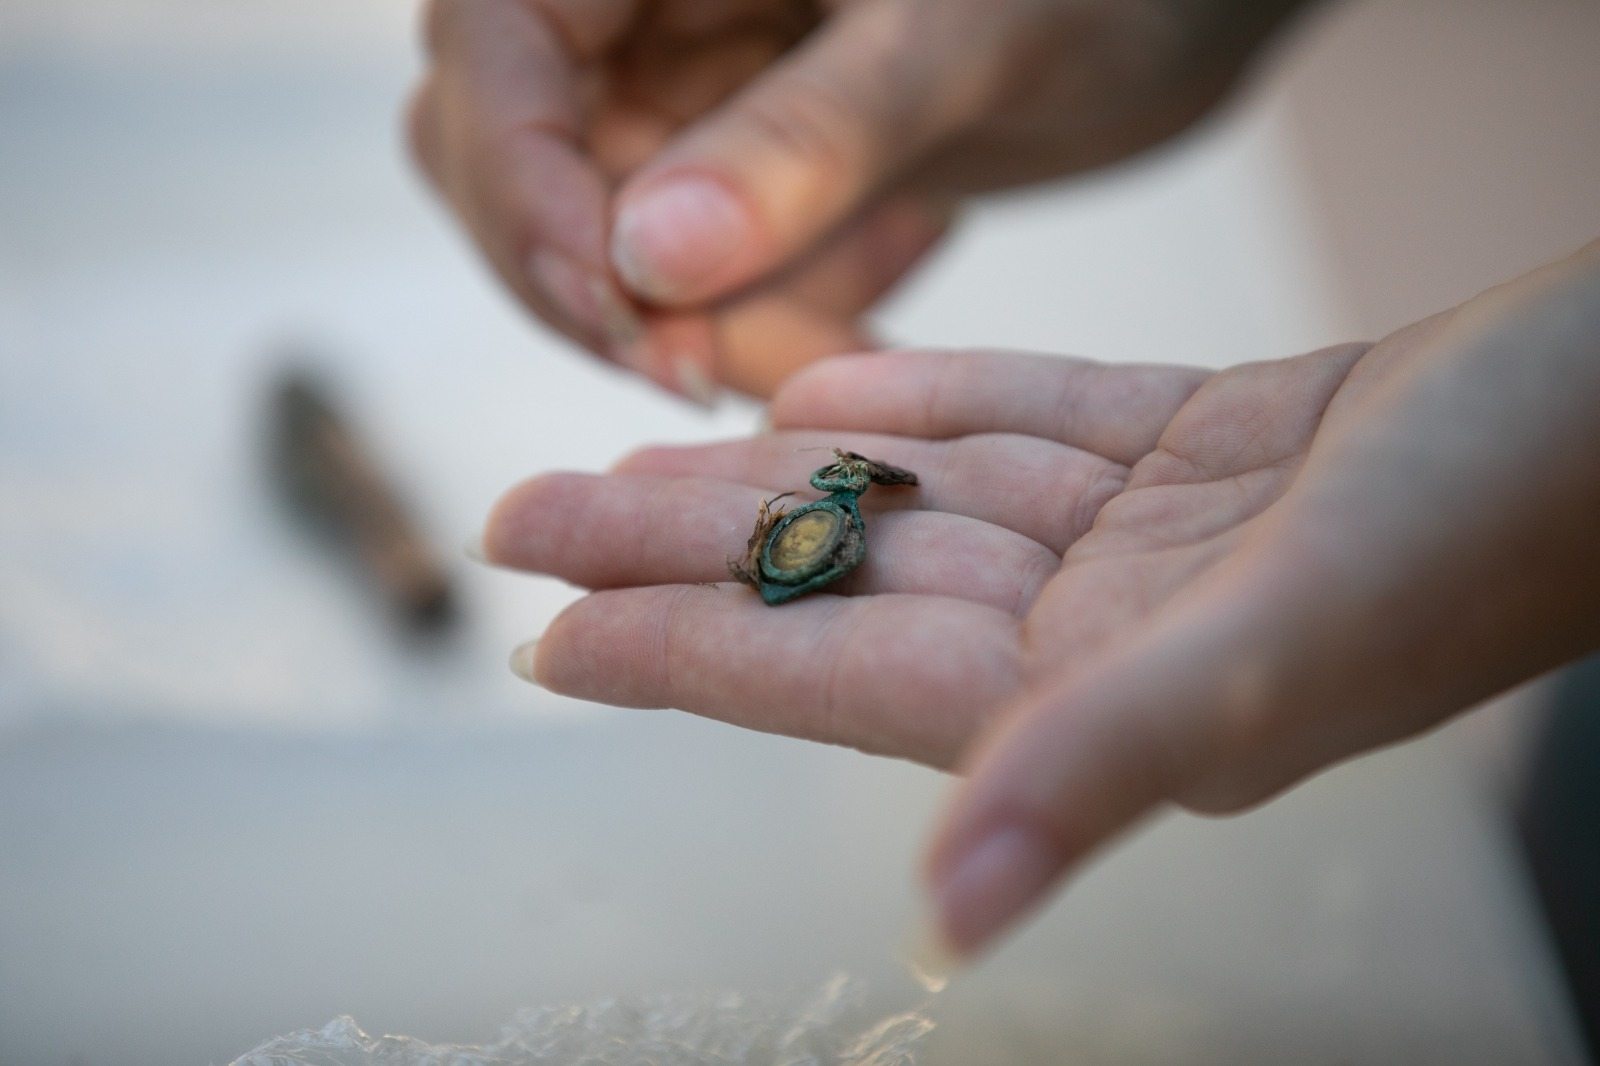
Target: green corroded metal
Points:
(818, 543)
(822, 564)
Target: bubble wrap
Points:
(824, 1029)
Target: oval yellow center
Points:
(805, 540)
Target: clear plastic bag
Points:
(824, 1029)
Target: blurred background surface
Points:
(233, 803)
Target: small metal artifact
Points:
(791, 553)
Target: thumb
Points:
(751, 186)
(1084, 757)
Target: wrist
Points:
(1450, 525)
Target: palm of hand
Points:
(1064, 507)
(1145, 585)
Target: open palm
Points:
(1142, 585)
(1062, 503)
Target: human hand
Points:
(1134, 586)
(716, 191)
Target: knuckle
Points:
(810, 123)
(1235, 789)
(1219, 795)
(1237, 736)
(676, 676)
(1159, 753)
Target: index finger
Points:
(500, 129)
(1115, 411)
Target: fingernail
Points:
(990, 885)
(929, 956)
(590, 302)
(695, 383)
(675, 235)
(570, 287)
(523, 657)
(621, 324)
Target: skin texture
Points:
(714, 192)
(1117, 588)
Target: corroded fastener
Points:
(791, 553)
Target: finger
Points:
(1075, 767)
(764, 339)
(616, 531)
(908, 676)
(503, 143)
(1087, 753)
(749, 345)
(671, 80)
(1044, 491)
(1114, 411)
(1250, 419)
(750, 187)
(755, 341)
(427, 145)
(859, 266)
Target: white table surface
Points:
(231, 805)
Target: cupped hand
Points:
(716, 191)
(1131, 586)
